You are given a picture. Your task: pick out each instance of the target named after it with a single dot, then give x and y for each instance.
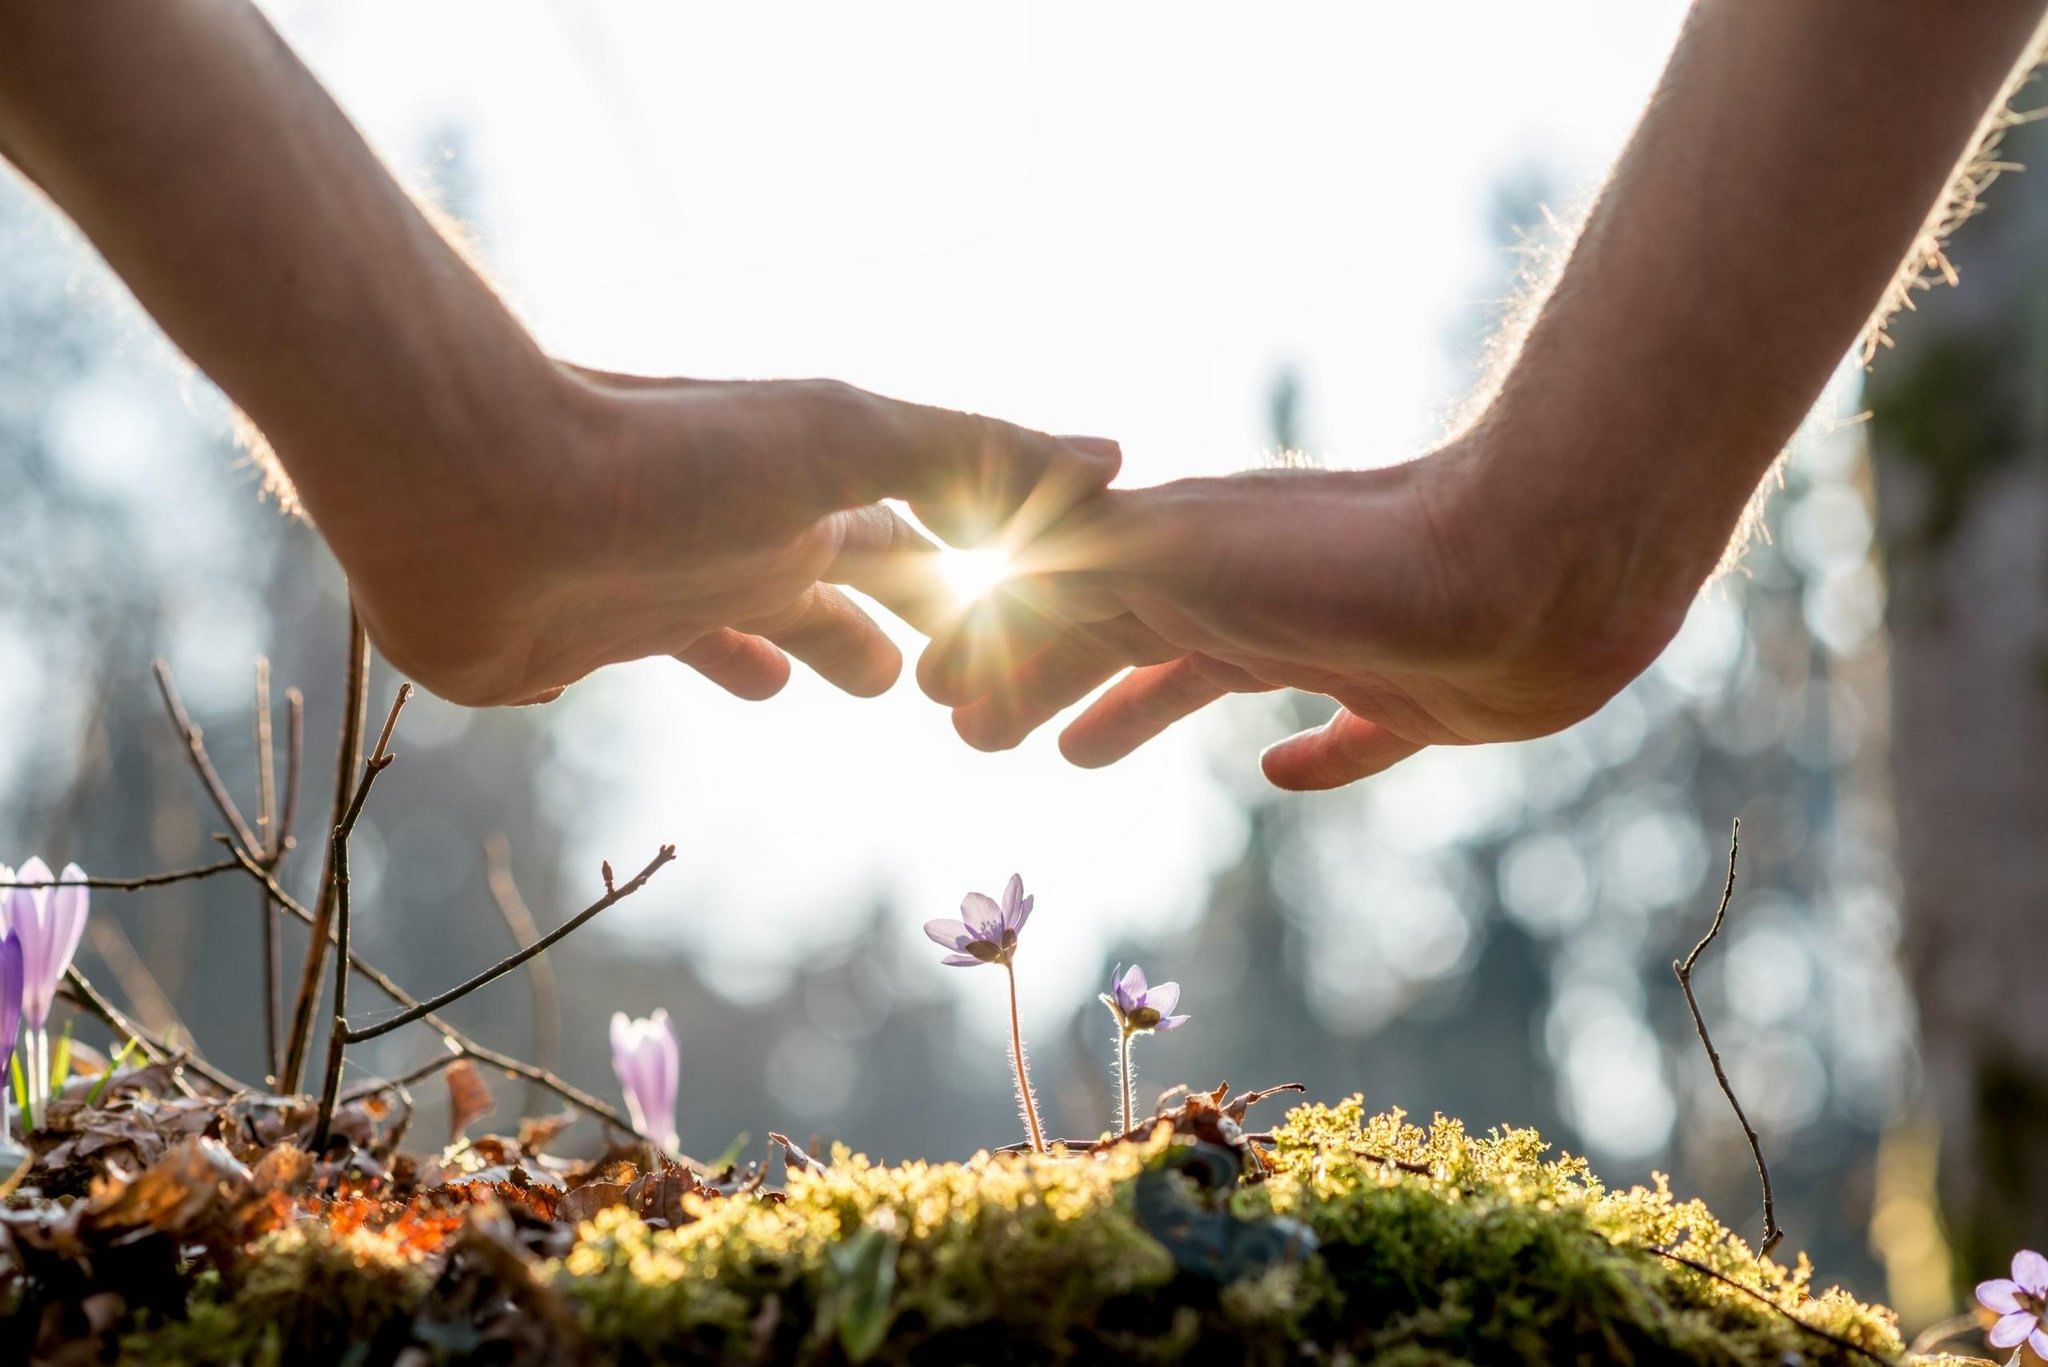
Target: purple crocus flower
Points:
(1138, 1007)
(48, 922)
(2021, 1304)
(645, 1057)
(985, 933)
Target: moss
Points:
(1495, 1252)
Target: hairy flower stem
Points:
(1026, 1102)
(1126, 1082)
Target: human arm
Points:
(507, 522)
(1507, 584)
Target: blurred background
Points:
(1212, 237)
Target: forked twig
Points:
(1683, 969)
(81, 991)
(540, 974)
(612, 897)
(505, 1063)
(348, 757)
(337, 858)
(195, 750)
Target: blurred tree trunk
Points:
(1960, 435)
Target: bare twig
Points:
(540, 974)
(266, 759)
(81, 991)
(511, 961)
(348, 758)
(202, 763)
(505, 1063)
(154, 880)
(266, 835)
(337, 858)
(1683, 969)
(456, 1054)
(294, 751)
(1847, 1345)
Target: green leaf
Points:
(28, 1120)
(731, 1157)
(113, 1066)
(60, 1065)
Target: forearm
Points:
(1781, 174)
(250, 218)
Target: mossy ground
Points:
(1497, 1253)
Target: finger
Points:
(1055, 678)
(890, 561)
(967, 475)
(989, 638)
(743, 665)
(825, 630)
(1342, 750)
(1144, 703)
(543, 697)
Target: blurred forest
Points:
(1516, 972)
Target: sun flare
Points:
(972, 574)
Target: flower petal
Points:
(2030, 1270)
(1163, 998)
(1172, 1023)
(2012, 1330)
(944, 930)
(982, 916)
(961, 961)
(2038, 1341)
(1999, 1296)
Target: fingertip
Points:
(983, 732)
(1080, 751)
(881, 675)
(1102, 452)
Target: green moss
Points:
(1496, 1253)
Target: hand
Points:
(1431, 602)
(621, 517)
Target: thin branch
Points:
(505, 1063)
(294, 751)
(1847, 1345)
(337, 1035)
(79, 990)
(1683, 969)
(266, 834)
(266, 759)
(511, 961)
(348, 758)
(195, 750)
(456, 1054)
(154, 880)
(540, 974)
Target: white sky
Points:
(1114, 220)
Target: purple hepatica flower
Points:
(2020, 1304)
(645, 1057)
(1138, 1007)
(48, 922)
(985, 933)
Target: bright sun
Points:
(972, 574)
